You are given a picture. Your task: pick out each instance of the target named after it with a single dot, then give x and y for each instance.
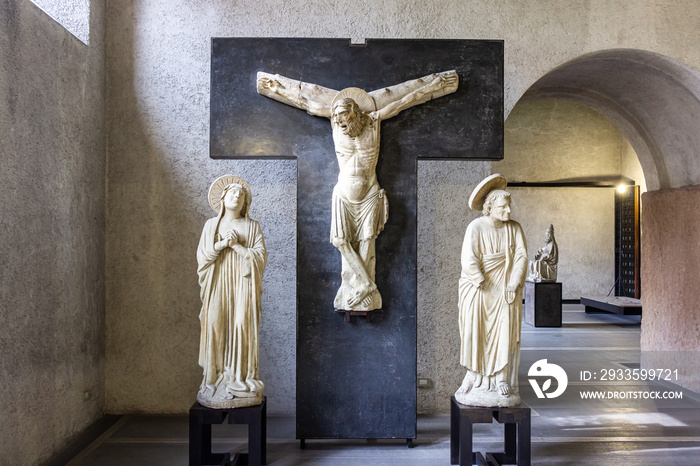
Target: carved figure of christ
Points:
(360, 207)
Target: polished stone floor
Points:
(566, 430)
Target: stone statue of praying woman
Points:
(494, 263)
(543, 268)
(231, 258)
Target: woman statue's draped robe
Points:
(490, 326)
(231, 290)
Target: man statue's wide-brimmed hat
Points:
(495, 181)
(217, 187)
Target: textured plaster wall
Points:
(158, 166)
(558, 140)
(671, 334)
(158, 175)
(52, 184)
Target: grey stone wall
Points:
(52, 185)
(158, 166)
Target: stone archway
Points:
(655, 102)
(652, 99)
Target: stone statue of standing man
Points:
(360, 207)
(494, 263)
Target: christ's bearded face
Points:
(344, 116)
(347, 117)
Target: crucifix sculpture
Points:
(359, 205)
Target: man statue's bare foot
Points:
(503, 388)
(467, 384)
(359, 295)
(356, 297)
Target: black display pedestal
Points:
(201, 420)
(516, 434)
(543, 304)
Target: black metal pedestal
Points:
(543, 304)
(201, 420)
(516, 434)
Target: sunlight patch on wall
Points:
(74, 15)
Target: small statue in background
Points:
(494, 263)
(543, 268)
(231, 258)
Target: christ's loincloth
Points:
(357, 221)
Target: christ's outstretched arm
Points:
(315, 99)
(394, 99)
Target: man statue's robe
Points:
(489, 325)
